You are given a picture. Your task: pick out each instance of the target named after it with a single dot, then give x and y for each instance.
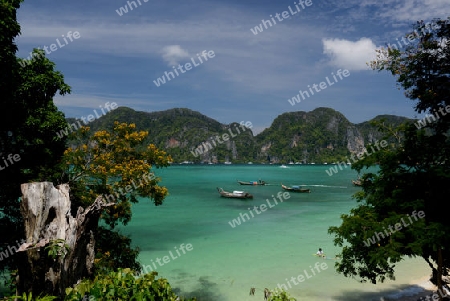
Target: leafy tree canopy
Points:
(29, 120)
(117, 165)
(412, 178)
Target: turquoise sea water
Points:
(264, 251)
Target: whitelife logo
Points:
(334, 170)
(73, 127)
(166, 259)
(124, 9)
(423, 122)
(378, 236)
(114, 197)
(416, 35)
(302, 277)
(11, 250)
(11, 158)
(188, 66)
(286, 15)
(206, 146)
(53, 47)
(245, 217)
(319, 87)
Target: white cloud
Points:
(173, 53)
(348, 54)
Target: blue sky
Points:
(250, 78)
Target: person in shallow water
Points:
(320, 253)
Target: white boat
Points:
(283, 166)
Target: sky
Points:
(225, 68)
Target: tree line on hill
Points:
(320, 136)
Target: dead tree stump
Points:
(59, 248)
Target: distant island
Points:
(323, 135)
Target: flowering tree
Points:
(117, 165)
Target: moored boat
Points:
(295, 189)
(259, 182)
(357, 182)
(235, 194)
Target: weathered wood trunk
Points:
(47, 217)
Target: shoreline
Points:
(417, 290)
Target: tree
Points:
(106, 172)
(107, 165)
(27, 127)
(116, 165)
(413, 176)
(59, 247)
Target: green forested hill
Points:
(319, 135)
(322, 135)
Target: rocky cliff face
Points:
(322, 135)
(355, 140)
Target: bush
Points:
(280, 295)
(123, 285)
(29, 297)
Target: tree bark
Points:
(439, 274)
(47, 217)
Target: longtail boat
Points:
(295, 189)
(259, 182)
(235, 194)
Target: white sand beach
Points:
(417, 291)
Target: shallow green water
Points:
(264, 251)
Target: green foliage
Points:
(115, 163)
(28, 124)
(178, 131)
(29, 297)
(414, 172)
(280, 295)
(422, 68)
(321, 135)
(56, 248)
(318, 136)
(410, 178)
(123, 285)
(114, 250)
